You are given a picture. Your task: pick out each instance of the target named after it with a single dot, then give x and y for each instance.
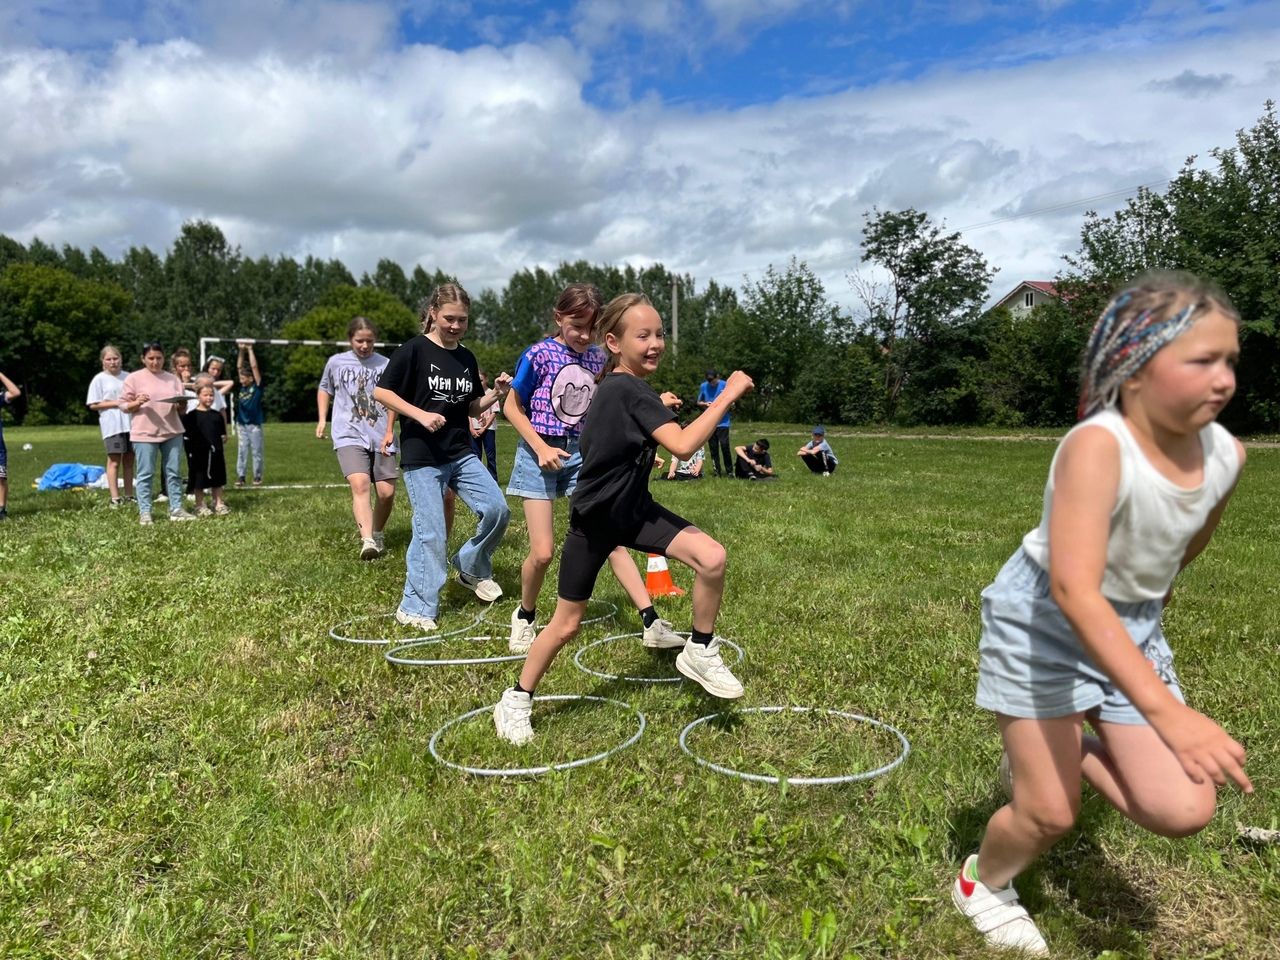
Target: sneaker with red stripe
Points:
(997, 914)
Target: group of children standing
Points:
(151, 417)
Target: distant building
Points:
(1028, 295)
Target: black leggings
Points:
(587, 548)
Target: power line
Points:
(1066, 205)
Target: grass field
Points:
(191, 767)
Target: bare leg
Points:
(562, 628)
(127, 461)
(217, 497)
(1045, 758)
(386, 494)
(450, 505)
(1138, 775)
(628, 574)
(113, 470)
(360, 503)
(706, 557)
(538, 518)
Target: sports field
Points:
(191, 767)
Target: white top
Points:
(1154, 519)
(104, 386)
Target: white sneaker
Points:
(523, 633)
(425, 624)
(181, 516)
(701, 663)
(997, 914)
(511, 717)
(368, 549)
(660, 636)
(204, 511)
(144, 519)
(160, 498)
(380, 542)
(486, 590)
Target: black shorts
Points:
(587, 548)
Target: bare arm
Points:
(549, 457)
(11, 388)
(389, 438)
(322, 408)
(501, 386)
(397, 404)
(1086, 481)
(683, 442)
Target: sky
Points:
(717, 137)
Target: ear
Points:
(611, 341)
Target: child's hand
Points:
(551, 459)
(319, 431)
(1203, 748)
(738, 384)
(502, 385)
(671, 401)
(387, 441)
(431, 421)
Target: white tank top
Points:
(1154, 519)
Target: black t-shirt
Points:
(761, 457)
(617, 453)
(205, 428)
(438, 381)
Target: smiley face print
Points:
(571, 393)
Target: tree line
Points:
(917, 347)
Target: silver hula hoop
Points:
(799, 781)
(613, 612)
(398, 654)
(387, 641)
(577, 660)
(535, 771)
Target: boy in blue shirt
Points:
(817, 453)
(707, 394)
(249, 416)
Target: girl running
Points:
(362, 432)
(554, 383)
(1071, 626)
(612, 507)
(433, 382)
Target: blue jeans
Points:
(250, 440)
(425, 567)
(169, 453)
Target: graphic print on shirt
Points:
(363, 406)
(571, 393)
(445, 389)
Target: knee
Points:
(540, 556)
(712, 560)
(1049, 821)
(1182, 814)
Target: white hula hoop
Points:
(387, 641)
(613, 612)
(535, 771)
(679, 677)
(398, 653)
(799, 781)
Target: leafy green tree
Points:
(53, 325)
(389, 277)
(935, 281)
(202, 298)
(293, 396)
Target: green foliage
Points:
(52, 325)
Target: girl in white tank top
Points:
(1071, 627)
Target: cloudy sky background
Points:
(714, 136)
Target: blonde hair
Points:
(109, 348)
(611, 322)
(1144, 316)
(445, 293)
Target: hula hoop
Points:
(577, 660)
(613, 612)
(799, 781)
(535, 771)
(387, 641)
(397, 653)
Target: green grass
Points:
(191, 767)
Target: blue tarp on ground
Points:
(67, 476)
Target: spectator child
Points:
(707, 394)
(104, 398)
(249, 416)
(817, 453)
(206, 433)
(753, 462)
(8, 393)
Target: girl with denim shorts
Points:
(1071, 626)
(551, 392)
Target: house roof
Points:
(1046, 287)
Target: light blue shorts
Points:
(1030, 663)
(530, 481)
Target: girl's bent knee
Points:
(1048, 822)
(1185, 816)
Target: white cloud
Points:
(489, 160)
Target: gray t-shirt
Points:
(358, 420)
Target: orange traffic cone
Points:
(658, 580)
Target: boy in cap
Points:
(817, 453)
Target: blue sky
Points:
(715, 136)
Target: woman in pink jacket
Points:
(156, 400)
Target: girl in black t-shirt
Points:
(612, 506)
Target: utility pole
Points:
(675, 314)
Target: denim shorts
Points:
(530, 481)
(1031, 664)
